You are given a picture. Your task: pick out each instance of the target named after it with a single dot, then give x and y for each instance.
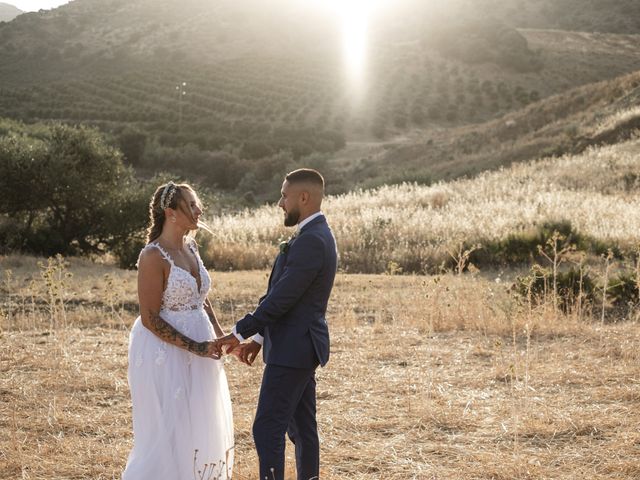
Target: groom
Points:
(290, 320)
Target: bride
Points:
(182, 423)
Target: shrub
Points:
(67, 193)
(572, 285)
(132, 144)
(623, 292)
(522, 247)
(128, 251)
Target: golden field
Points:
(431, 377)
(416, 227)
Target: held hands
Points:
(230, 345)
(216, 348)
(225, 344)
(247, 352)
(204, 349)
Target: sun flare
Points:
(355, 16)
(354, 32)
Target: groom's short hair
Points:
(306, 175)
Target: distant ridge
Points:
(603, 113)
(8, 12)
(240, 89)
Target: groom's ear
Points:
(304, 197)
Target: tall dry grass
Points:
(415, 227)
(430, 377)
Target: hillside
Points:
(607, 16)
(603, 16)
(232, 93)
(8, 12)
(595, 114)
(111, 35)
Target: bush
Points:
(224, 169)
(67, 192)
(538, 286)
(522, 247)
(132, 143)
(623, 292)
(128, 251)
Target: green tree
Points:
(68, 192)
(132, 143)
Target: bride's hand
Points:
(225, 345)
(211, 350)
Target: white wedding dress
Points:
(181, 406)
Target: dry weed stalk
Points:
(460, 255)
(559, 251)
(583, 269)
(605, 282)
(55, 275)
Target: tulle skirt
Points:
(182, 420)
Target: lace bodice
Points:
(182, 291)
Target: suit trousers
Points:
(287, 405)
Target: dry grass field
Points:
(446, 377)
(416, 227)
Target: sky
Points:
(35, 5)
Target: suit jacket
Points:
(291, 316)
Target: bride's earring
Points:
(173, 219)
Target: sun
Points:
(354, 17)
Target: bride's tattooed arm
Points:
(169, 334)
(152, 278)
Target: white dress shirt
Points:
(257, 337)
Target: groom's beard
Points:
(291, 219)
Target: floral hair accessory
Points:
(167, 195)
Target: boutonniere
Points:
(284, 246)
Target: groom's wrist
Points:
(237, 335)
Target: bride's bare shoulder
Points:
(151, 258)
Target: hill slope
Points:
(611, 16)
(219, 90)
(595, 114)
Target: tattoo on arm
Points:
(170, 335)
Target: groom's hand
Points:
(226, 344)
(247, 352)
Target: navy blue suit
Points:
(291, 317)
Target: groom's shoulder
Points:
(318, 237)
(318, 224)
